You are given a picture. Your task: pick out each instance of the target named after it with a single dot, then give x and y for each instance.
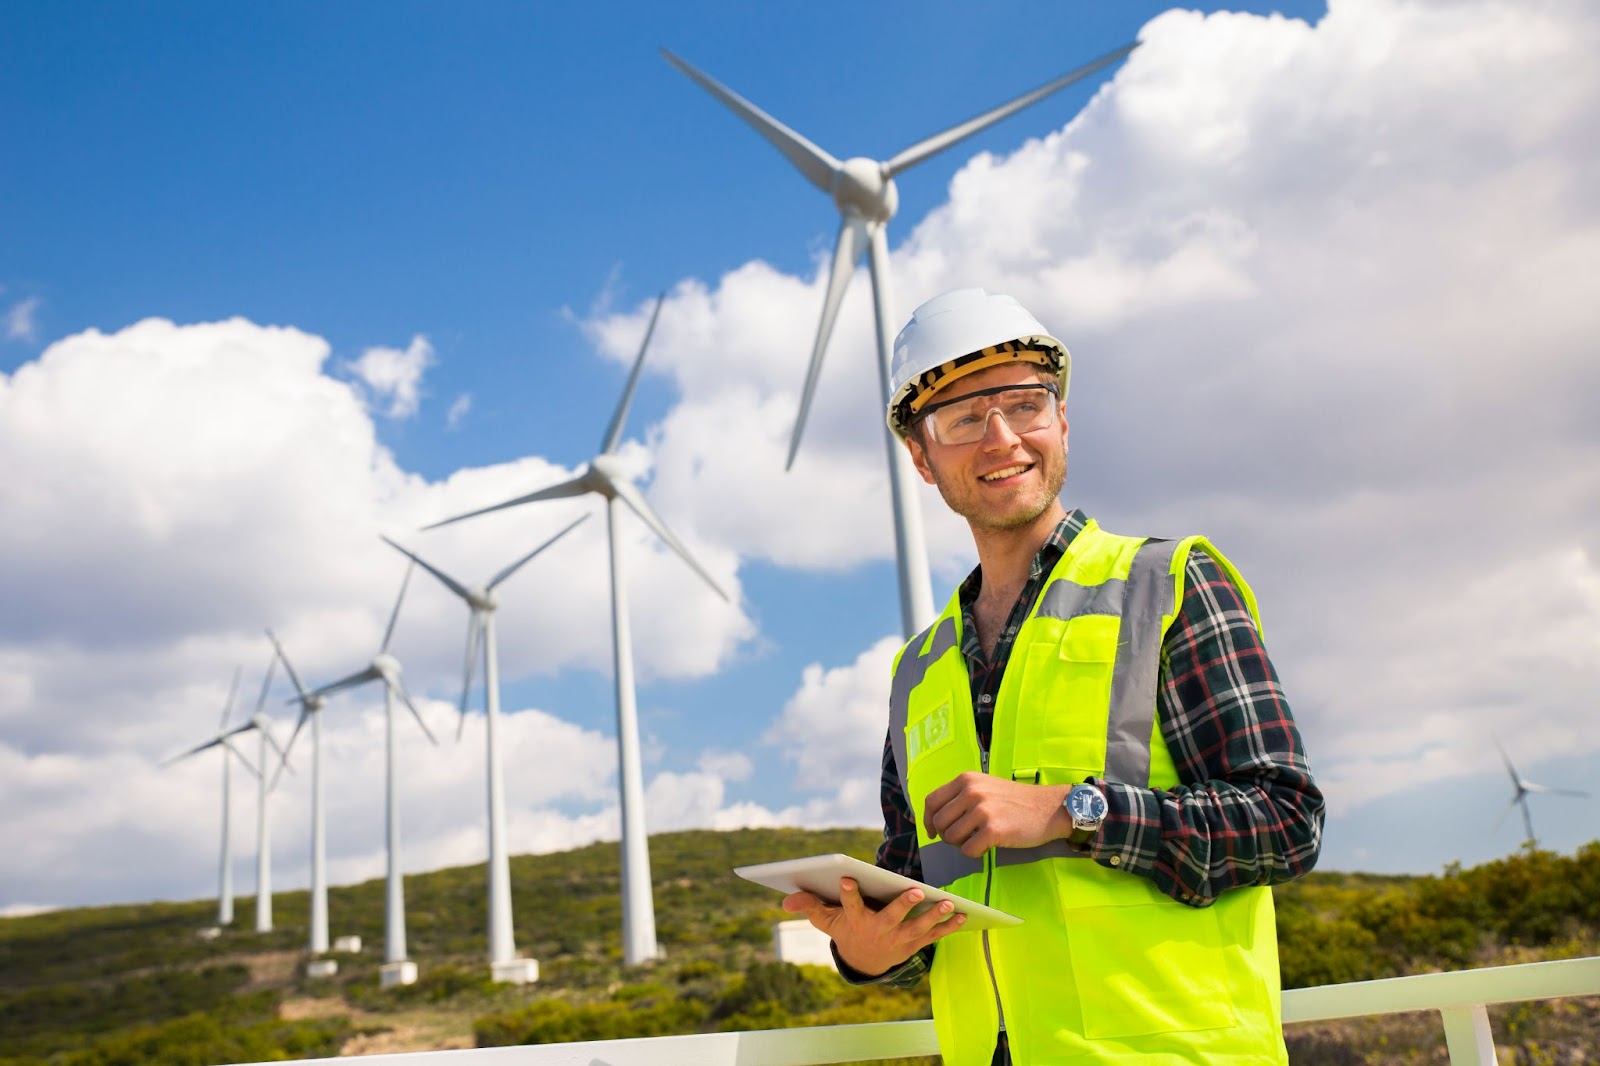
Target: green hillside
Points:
(135, 984)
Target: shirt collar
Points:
(1044, 560)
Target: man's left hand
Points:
(976, 812)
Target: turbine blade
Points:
(449, 582)
(361, 678)
(1568, 792)
(394, 615)
(1500, 821)
(514, 567)
(1512, 770)
(233, 691)
(910, 157)
(576, 487)
(474, 631)
(287, 748)
(266, 685)
(289, 669)
(817, 166)
(248, 765)
(400, 690)
(614, 431)
(847, 252)
(212, 743)
(266, 730)
(631, 496)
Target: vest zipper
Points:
(988, 883)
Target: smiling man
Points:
(1090, 737)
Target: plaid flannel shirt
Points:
(1248, 811)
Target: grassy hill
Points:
(133, 984)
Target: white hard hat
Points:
(959, 333)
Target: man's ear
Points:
(919, 457)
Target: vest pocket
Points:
(1066, 688)
(1151, 968)
(936, 752)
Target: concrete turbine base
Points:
(397, 973)
(322, 967)
(515, 971)
(349, 945)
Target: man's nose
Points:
(1004, 437)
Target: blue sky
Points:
(1272, 240)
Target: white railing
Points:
(1461, 997)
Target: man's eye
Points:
(1023, 407)
(961, 420)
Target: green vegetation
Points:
(135, 985)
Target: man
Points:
(1090, 737)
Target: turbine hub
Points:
(604, 472)
(860, 187)
(482, 599)
(387, 665)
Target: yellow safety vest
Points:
(1105, 968)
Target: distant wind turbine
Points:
(224, 740)
(864, 192)
(482, 602)
(386, 668)
(603, 476)
(1523, 788)
(310, 708)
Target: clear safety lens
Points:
(1025, 408)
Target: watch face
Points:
(1087, 804)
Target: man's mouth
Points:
(1010, 471)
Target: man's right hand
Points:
(873, 942)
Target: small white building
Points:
(801, 943)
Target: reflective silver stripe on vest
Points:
(913, 668)
(1136, 673)
(942, 863)
(1068, 599)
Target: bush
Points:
(777, 983)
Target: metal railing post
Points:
(1467, 1035)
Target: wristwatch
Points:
(1086, 806)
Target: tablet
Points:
(819, 875)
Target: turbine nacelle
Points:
(863, 187)
(387, 667)
(603, 474)
(482, 599)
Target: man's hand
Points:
(976, 812)
(873, 942)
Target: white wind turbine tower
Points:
(386, 668)
(481, 602)
(223, 739)
(1523, 788)
(311, 708)
(864, 192)
(604, 477)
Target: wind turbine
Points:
(604, 477)
(1523, 788)
(386, 668)
(263, 729)
(481, 602)
(310, 708)
(223, 739)
(864, 192)
(264, 737)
